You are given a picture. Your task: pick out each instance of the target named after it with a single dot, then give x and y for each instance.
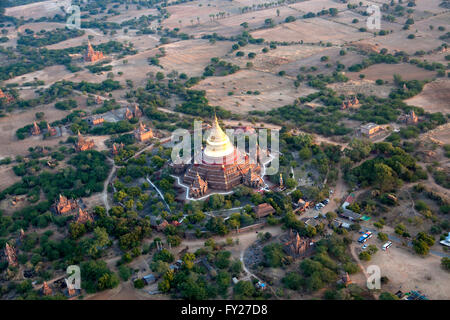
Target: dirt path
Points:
(105, 186)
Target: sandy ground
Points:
(131, 13)
(229, 25)
(287, 58)
(425, 39)
(275, 91)
(38, 9)
(435, 97)
(407, 271)
(192, 56)
(386, 72)
(11, 146)
(8, 177)
(366, 87)
(317, 5)
(312, 30)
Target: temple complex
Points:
(64, 205)
(353, 102)
(116, 148)
(9, 98)
(46, 290)
(142, 133)
(128, 114)
(11, 255)
(92, 55)
(96, 120)
(223, 166)
(252, 179)
(35, 130)
(296, 246)
(83, 216)
(198, 187)
(83, 144)
(51, 131)
(137, 111)
(409, 118)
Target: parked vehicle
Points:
(365, 237)
(386, 246)
(362, 239)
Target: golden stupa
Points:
(222, 166)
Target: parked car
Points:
(364, 247)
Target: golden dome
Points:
(218, 144)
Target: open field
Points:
(274, 91)
(312, 30)
(435, 97)
(192, 56)
(366, 87)
(132, 13)
(11, 146)
(317, 5)
(8, 176)
(287, 58)
(38, 9)
(386, 72)
(228, 25)
(425, 38)
(407, 271)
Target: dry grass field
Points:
(366, 87)
(192, 56)
(407, 271)
(39, 9)
(386, 72)
(312, 31)
(11, 146)
(435, 97)
(275, 91)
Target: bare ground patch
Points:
(312, 30)
(435, 97)
(38, 9)
(274, 91)
(407, 271)
(386, 72)
(366, 87)
(192, 56)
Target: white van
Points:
(386, 245)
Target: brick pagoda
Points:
(142, 133)
(83, 144)
(92, 55)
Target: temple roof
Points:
(218, 143)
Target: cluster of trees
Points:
(321, 120)
(27, 59)
(323, 268)
(422, 243)
(45, 38)
(85, 176)
(191, 280)
(219, 68)
(388, 170)
(100, 67)
(375, 58)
